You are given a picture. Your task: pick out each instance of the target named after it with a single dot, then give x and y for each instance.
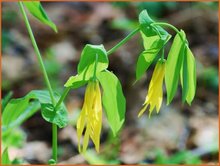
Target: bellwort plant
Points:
(103, 89)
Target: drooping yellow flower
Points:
(155, 92)
(90, 117)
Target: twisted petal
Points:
(155, 92)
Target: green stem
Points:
(123, 41)
(95, 67)
(54, 126)
(54, 142)
(166, 24)
(170, 26)
(65, 92)
(39, 58)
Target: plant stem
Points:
(166, 24)
(65, 92)
(95, 67)
(39, 58)
(123, 41)
(170, 26)
(40, 61)
(54, 142)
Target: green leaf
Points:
(173, 65)
(5, 157)
(16, 138)
(184, 77)
(151, 30)
(144, 61)
(6, 99)
(58, 117)
(86, 65)
(154, 39)
(76, 81)
(36, 9)
(152, 47)
(18, 110)
(153, 42)
(188, 76)
(88, 58)
(113, 100)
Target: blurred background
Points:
(178, 134)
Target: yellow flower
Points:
(90, 117)
(155, 92)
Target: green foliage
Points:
(188, 76)
(5, 158)
(113, 100)
(18, 161)
(182, 157)
(173, 65)
(154, 39)
(6, 99)
(93, 64)
(88, 60)
(16, 137)
(18, 110)
(144, 61)
(58, 116)
(151, 30)
(94, 159)
(87, 64)
(36, 9)
(76, 81)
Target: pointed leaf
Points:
(151, 30)
(184, 77)
(36, 9)
(174, 64)
(144, 61)
(113, 100)
(87, 64)
(88, 59)
(192, 76)
(188, 77)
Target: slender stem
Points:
(37, 52)
(54, 126)
(54, 142)
(65, 92)
(157, 31)
(123, 41)
(166, 24)
(95, 67)
(170, 26)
